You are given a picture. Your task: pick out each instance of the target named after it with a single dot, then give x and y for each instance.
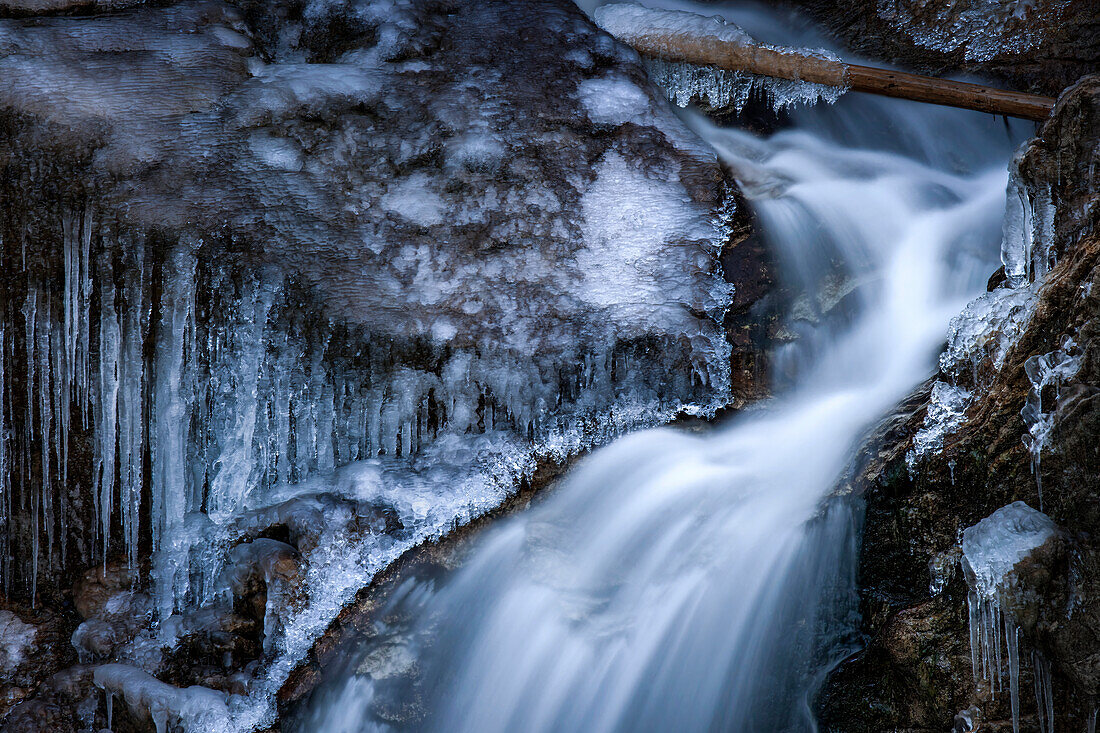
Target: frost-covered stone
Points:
(366, 238)
(946, 412)
(16, 639)
(981, 29)
(996, 552)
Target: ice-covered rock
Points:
(996, 553)
(338, 274)
(369, 234)
(946, 412)
(979, 338)
(167, 707)
(993, 547)
(981, 29)
(16, 639)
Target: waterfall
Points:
(696, 582)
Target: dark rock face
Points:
(1040, 47)
(915, 672)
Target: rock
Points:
(16, 639)
(1042, 47)
(98, 585)
(420, 205)
(914, 520)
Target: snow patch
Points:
(614, 101)
(413, 199)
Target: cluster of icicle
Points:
(721, 89)
(204, 381)
(991, 550)
(980, 337)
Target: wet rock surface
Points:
(915, 671)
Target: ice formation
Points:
(992, 549)
(985, 331)
(946, 412)
(686, 82)
(358, 296)
(169, 708)
(1051, 370)
(983, 29)
(980, 337)
(16, 638)
(1027, 248)
(419, 274)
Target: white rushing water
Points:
(695, 582)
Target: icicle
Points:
(131, 392)
(236, 462)
(169, 436)
(106, 441)
(85, 314)
(30, 318)
(1044, 694)
(1012, 643)
(5, 467)
(45, 416)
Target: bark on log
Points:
(693, 39)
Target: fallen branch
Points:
(694, 39)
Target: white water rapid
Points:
(703, 582)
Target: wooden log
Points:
(694, 39)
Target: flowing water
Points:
(696, 582)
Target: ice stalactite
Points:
(171, 499)
(1045, 371)
(684, 82)
(1044, 692)
(1027, 250)
(106, 398)
(131, 394)
(5, 468)
(992, 549)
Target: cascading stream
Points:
(704, 582)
